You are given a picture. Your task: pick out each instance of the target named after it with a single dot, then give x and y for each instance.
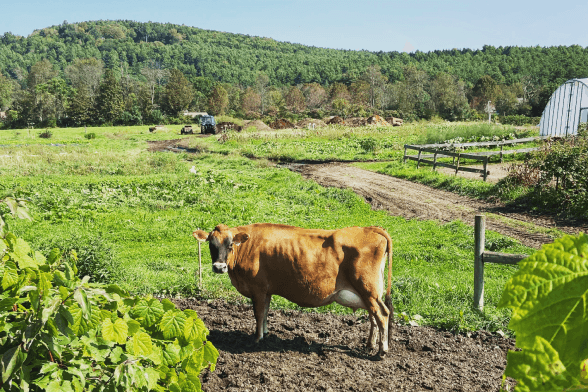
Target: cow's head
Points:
(221, 242)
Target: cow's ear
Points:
(200, 235)
(240, 238)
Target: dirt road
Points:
(415, 201)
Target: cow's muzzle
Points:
(219, 268)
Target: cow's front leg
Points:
(268, 299)
(259, 311)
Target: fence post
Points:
(485, 171)
(405, 153)
(434, 161)
(479, 241)
(419, 158)
(199, 267)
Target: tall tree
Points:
(6, 89)
(261, 87)
(86, 73)
(179, 93)
(156, 76)
(218, 101)
(80, 108)
(110, 100)
(486, 89)
(376, 81)
(294, 100)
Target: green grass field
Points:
(129, 213)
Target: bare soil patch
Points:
(416, 201)
(324, 352)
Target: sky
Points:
(373, 25)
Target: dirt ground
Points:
(324, 352)
(416, 201)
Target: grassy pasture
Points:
(129, 215)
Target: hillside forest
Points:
(132, 73)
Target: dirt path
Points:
(325, 352)
(415, 201)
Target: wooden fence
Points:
(481, 256)
(437, 151)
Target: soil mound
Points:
(395, 121)
(377, 120)
(336, 120)
(281, 123)
(356, 121)
(307, 351)
(223, 126)
(258, 124)
(309, 121)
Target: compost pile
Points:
(281, 123)
(317, 123)
(258, 124)
(336, 120)
(223, 126)
(326, 352)
(377, 120)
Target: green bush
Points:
(62, 333)
(46, 134)
(548, 299)
(90, 135)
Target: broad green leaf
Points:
(115, 332)
(194, 330)
(141, 344)
(195, 364)
(10, 277)
(537, 368)
(210, 355)
(115, 355)
(21, 254)
(54, 256)
(156, 355)
(12, 360)
(39, 258)
(549, 297)
(50, 308)
(134, 326)
(149, 312)
(152, 376)
(167, 305)
(171, 354)
(44, 283)
(112, 288)
(80, 325)
(82, 299)
(172, 324)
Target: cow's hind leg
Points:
(373, 338)
(379, 311)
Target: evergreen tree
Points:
(80, 108)
(110, 100)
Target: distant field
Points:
(129, 213)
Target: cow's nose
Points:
(219, 268)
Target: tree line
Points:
(108, 72)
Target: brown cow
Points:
(309, 267)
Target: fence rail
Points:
(436, 151)
(481, 257)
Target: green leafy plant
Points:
(62, 333)
(46, 134)
(548, 297)
(91, 135)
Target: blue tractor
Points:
(207, 124)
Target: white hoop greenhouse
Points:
(566, 109)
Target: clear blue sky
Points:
(372, 25)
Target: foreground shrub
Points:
(62, 333)
(548, 298)
(46, 135)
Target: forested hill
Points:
(237, 58)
